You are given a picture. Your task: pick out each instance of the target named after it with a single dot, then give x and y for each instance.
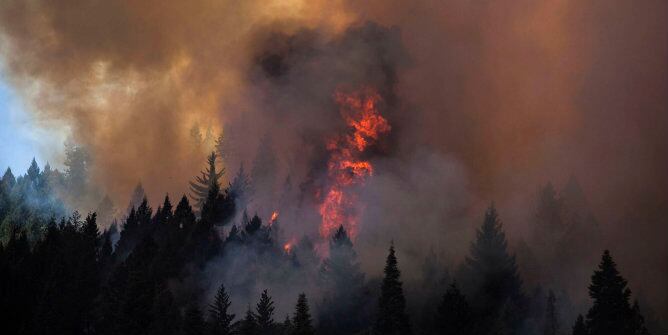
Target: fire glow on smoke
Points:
(346, 169)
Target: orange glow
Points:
(287, 248)
(274, 217)
(345, 167)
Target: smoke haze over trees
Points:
(555, 111)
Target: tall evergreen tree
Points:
(138, 195)
(344, 308)
(8, 179)
(611, 313)
(392, 317)
(241, 187)
(265, 315)
(249, 326)
(580, 328)
(551, 326)
(301, 321)
(166, 316)
(193, 322)
(454, 315)
(219, 317)
(33, 171)
(209, 179)
(493, 278)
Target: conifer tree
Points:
(493, 278)
(301, 321)
(611, 313)
(184, 218)
(138, 195)
(248, 325)
(638, 321)
(219, 317)
(286, 327)
(392, 317)
(551, 326)
(201, 187)
(241, 187)
(8, 179)
(166, 316)
(580, 328)
(33, 171)
(193, 322)
(454, 315)
(265, 314)
(344, 302)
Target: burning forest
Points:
(333, 167)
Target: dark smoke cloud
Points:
(487, 100)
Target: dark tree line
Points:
(73, 279)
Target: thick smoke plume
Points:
(486, 100)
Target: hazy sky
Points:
(17, 140)
(21, 137)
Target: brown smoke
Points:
(521, 92)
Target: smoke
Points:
(486, 99)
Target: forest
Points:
(296, 167)
(144, 274)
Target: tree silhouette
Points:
(454, 314)
(193, 322)
(551, 326)
(301, 321)
(345, 297)
(219, 318)
(249, 324)
(611, 313)
(265, 314)
(493, 277)
(202, 185)
(392, 317)
(580, 328)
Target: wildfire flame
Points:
(274, 217)
(287, 248)
(346, 168)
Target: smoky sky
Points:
(490, 99)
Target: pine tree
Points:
(301, 321)
(241, 187)
(344, 303)
(184, 218)
(548, 216)
(8, 179)
(286, 327)
(454, 315)
(392, 317)
(219, 318)
(265, 314)
(138, 195)
(33, 171)
(249, 324)
(638, 321)
(493, 277)
(551, 326)
(580, 328)
(193, 322)
(210, 178)
(77, 161)
(105, 211)
(611, 313)
(166, 316)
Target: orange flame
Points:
(274, 217)
(287, 248)
(345, 167)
